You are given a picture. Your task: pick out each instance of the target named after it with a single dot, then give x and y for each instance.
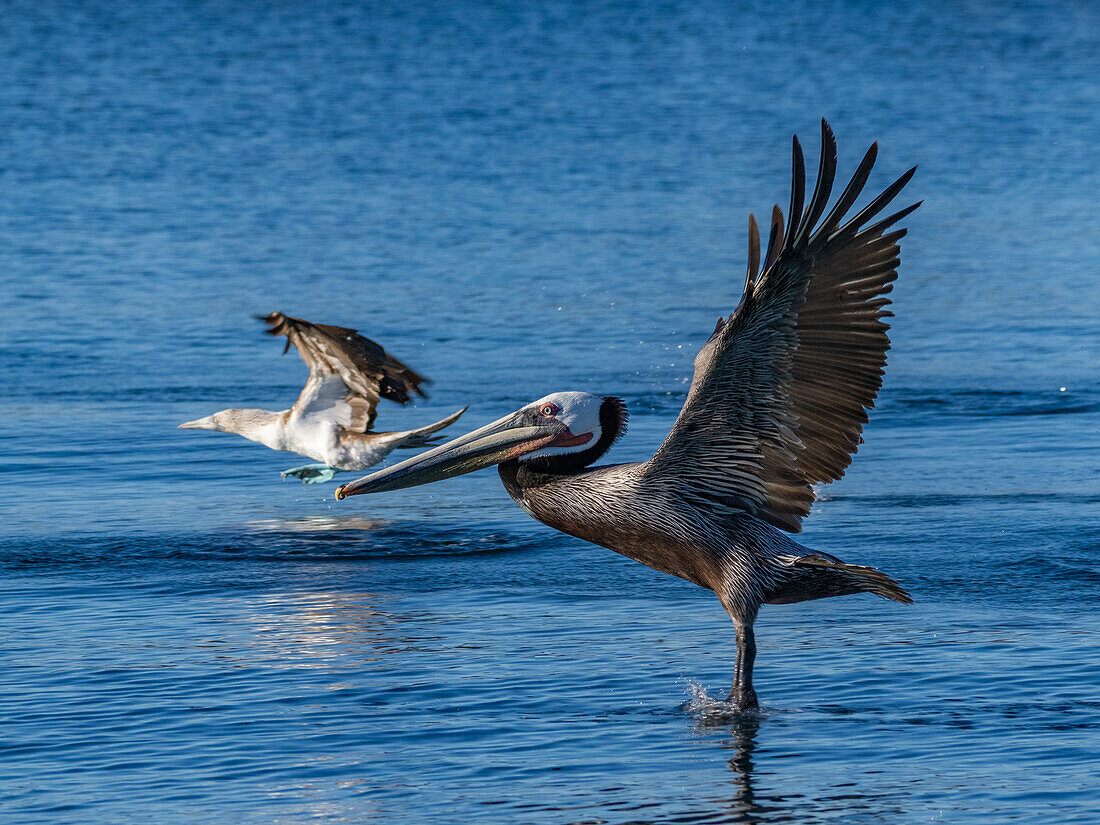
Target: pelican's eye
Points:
(549, 410)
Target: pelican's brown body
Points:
(777, 404)
(744, 560)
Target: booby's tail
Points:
(425, 436)
(819, 575)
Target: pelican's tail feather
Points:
(819, 575)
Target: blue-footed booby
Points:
(777, 404)
(332, 418)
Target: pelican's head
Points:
(562, 432)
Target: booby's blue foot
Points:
(311, 473)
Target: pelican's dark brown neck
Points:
(519, 477)
(510, 477)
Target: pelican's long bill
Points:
(510, 437)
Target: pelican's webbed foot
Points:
(311, 473)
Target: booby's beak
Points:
(199, 424)
(510, 437)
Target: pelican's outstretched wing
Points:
(782, 387)
(347, 372)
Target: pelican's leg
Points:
(311, 473)
(742, 696)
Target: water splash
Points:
(711, 712)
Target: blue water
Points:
(518, 199)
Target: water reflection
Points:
(316, 524)
(743, 743)
(330, 630)
(714, 716)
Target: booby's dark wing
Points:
(347, 372)
(782, 387)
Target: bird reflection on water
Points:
(317, 524)
(326, 630)
(714, 716)
(743, 742)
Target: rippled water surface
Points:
(517, 199)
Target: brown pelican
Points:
(777, 404)
(331, 419)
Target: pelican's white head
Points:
(578, 411)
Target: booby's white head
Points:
(252, 424)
